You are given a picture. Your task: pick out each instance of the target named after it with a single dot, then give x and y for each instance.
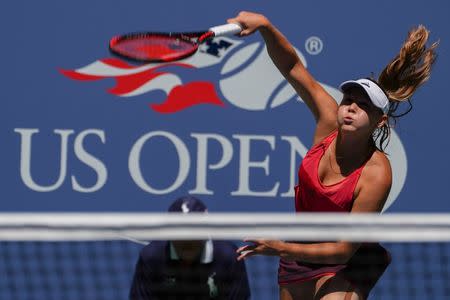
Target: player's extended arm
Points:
(282, 53)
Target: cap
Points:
(187, 204)
(373, 90)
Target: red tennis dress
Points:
(369, 261)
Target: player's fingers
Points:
(245, 254)
(240, 249)
(245, 248)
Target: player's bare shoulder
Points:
(377, 170)
(374, 184)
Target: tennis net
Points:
(93, 255)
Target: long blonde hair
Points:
(404, 75)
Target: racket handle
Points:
(227, 29)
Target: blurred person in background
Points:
(189, 269)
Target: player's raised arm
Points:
(322, 105)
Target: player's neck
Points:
(354, 147)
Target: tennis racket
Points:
(165, 46)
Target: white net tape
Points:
(283, 226)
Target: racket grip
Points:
(227, 29)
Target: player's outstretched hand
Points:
(259, 247)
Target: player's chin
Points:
(345, 127)
(354, 129)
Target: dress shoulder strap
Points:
(326, 141)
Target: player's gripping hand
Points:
(250, 22)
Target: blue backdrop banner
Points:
(84, 131)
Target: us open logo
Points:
(243, 76)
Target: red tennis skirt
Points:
(363, 270)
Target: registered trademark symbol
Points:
(314, 45)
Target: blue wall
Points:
(43, 39)
(124, 154)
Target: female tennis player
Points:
(346, 169)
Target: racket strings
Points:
(153, 47)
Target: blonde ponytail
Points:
(410, 68)
(403, 76)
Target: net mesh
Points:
(99, 264)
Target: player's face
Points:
(188, 251)
(357, 113)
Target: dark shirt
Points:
(160, 276)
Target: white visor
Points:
(375, 93)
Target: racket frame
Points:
(195, 38)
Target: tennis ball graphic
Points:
(252, 82)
